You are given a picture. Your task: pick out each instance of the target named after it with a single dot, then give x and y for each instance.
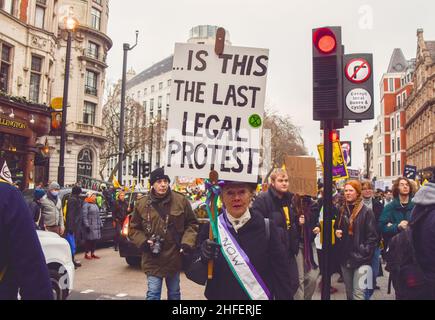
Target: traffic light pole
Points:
(327, 210)
(126, 47)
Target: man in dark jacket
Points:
(22, 263)
(120, 211)
(74, 220)
(424, 232)
(249, 245)
(164, 226)
(35, 209)
(276, 204)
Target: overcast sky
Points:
(284, 27)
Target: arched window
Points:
(84, 164)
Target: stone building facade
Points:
(420, 108)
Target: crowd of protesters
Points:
(265, 245)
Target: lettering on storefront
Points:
(12, 124)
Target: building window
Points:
(159, 102)
(35, 78)
(169, 82)
(380, 147)
(40, 13)
(399, 101)
(160, 85)
(93, 49)
(398, 121)
(91, 82)
(95, 18)
(398, 144)
(7, 5)
(152, 88)
(398, 167)
(151, 104)
(89, 113)
(5, 67)
(145, 91)
(391, 84)
(380, 169)
(393, 149)
(393, 167)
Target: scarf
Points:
(368, 202)
(303, 208)
(162, 204)
(356, 210)
(237, 223)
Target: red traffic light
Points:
(324, 40)
(334, 135)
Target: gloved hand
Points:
(209, 250)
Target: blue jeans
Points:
(376, 261)
(155, 287)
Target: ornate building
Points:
(33, 46)
(420, 108)
(389, 135)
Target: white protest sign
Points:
(217, 104)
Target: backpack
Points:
(406, 274)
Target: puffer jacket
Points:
(182, 229)
(91, 220)
(51, 208)
(357, 250)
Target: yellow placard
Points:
(339, 167)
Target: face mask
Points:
(54, 193)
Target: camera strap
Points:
(165, 218)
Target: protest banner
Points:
(302, 175)
(339, 168)
(216, 118)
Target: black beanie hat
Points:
(158, 174)
(76, 190)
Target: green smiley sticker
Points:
(255, 120)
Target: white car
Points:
(57, 254)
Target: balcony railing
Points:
(90, 90)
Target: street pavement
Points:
(111, 278)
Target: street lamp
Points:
(152, 121)
(367, 150)
(126, 48)
(70, 24)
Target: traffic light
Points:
(134, 168)
(327, 74)
(145, 169)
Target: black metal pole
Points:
(151, 147)
(327, 210)
(61, 169)
(126, 47)
(368, 160)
